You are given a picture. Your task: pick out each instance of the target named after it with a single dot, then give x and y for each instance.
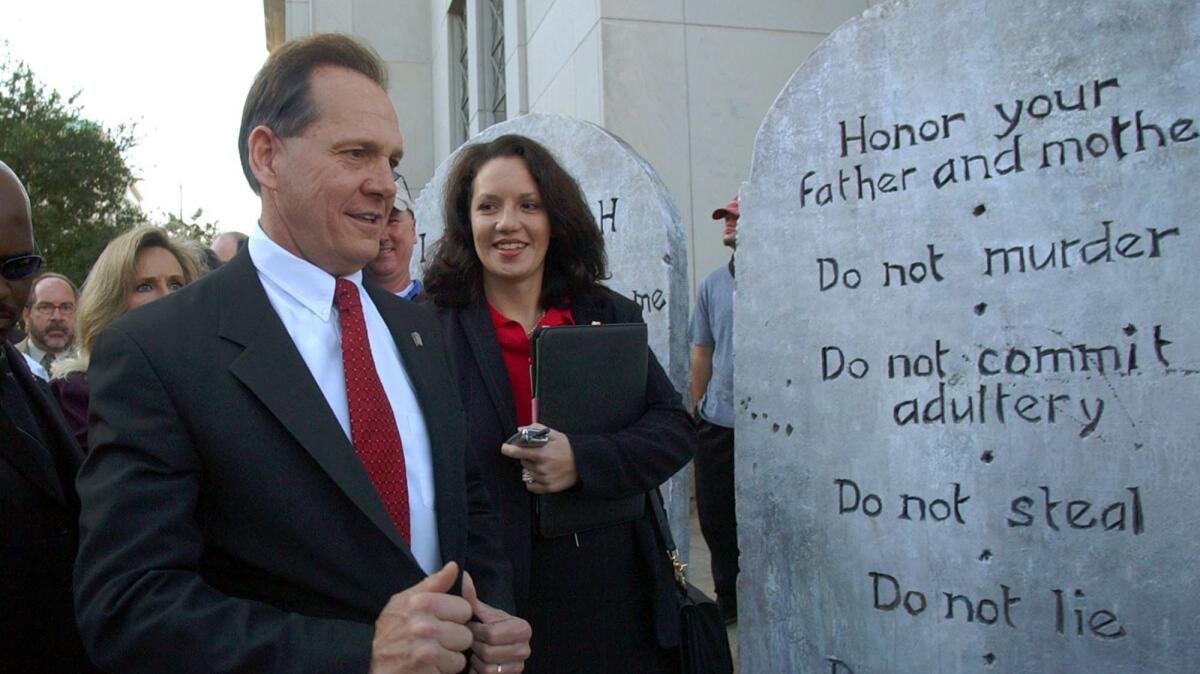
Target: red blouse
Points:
(514, 347)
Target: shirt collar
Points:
(33, 350)
(411, 290)
(306, 283)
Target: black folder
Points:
(588, 379)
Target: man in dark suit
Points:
(38, 461)
(277, 480)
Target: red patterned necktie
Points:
(372, 423)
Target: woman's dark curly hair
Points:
(575, 260)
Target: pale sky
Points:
(178, 70)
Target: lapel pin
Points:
(417, 339)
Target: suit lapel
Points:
(271, 367)
(29, 458)
(421, 354)
(25, 452)
(587, 310)
(481, 335)
(61, 436)
(416, 354)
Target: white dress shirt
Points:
(302, 295)
(33, 351)
(35, 367)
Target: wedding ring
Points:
(526, 477)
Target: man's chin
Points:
(360, 259)
(378, 272)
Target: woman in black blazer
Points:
(521, 250)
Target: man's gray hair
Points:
(281, 96)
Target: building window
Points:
(491, 42)
(460, 96)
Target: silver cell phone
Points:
(530, 437)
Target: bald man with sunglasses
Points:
(38, 462)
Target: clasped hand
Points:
(425, 630)
(552, 466)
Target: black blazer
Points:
(618, 465)
(38, 528)
(227, 525)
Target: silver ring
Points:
(527, 478)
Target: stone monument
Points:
(967, 349)
(643, 237)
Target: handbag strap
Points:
(664, 530)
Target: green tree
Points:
(74, 169)
(192, 228)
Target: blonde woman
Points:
(135, 268)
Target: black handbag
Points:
(703, 643)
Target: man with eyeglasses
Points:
(38, 462)
(49, 318)
(391, 268)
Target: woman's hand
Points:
(551, 467)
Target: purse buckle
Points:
(679, 566)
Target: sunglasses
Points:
(20, 267)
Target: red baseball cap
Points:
(730, 208)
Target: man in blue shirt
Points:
(711, 336)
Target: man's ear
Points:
(263, 148)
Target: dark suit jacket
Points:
(617, 465)
(227, 524)
(38, 528)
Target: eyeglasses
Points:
(48, 308)
(20, 267)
